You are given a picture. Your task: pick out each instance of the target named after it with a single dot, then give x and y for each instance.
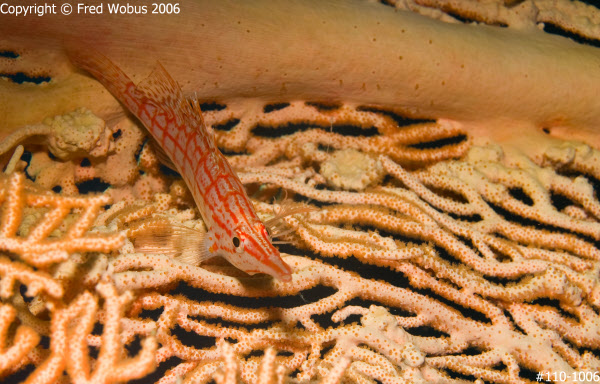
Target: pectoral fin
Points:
(185, 244)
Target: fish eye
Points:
(236, 241)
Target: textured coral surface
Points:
(436, 253)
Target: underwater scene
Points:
(299, 191)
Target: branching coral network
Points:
(429, 270)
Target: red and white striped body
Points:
(234, 230)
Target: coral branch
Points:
(23, 341)
(40, 246)
(36, 281)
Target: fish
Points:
(234, 231)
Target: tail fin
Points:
(105, 71)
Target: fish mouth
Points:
(263, 257)
(281, 270)
(285, 277)
(277, 268)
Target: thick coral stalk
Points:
(356, 52)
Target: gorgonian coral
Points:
(441, 250)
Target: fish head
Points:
(253, 252)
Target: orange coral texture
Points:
(448, 258)
(440, 271)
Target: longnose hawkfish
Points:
(234, 230)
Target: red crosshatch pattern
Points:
(178, 127)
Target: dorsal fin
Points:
(196, 105)
(161, 88)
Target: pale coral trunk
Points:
(357, 52)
